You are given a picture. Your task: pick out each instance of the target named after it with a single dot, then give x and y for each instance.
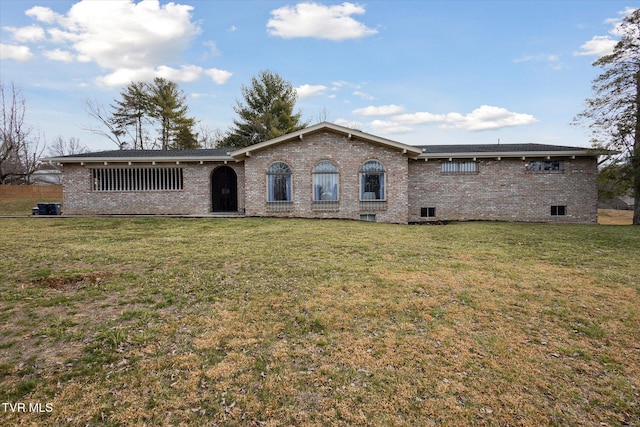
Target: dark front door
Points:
(224, 190)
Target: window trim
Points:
(383, 187)
(288, 183)
(316, 174)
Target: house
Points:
(330, 171)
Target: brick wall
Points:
(195, 198)
(502, 190)
(349, 156)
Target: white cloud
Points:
(43, 14)
(132, 40)
(32, 33)
(184, 74)
(486, 117)
(218, 76)
(59, 55)
(364, 95)
(349, 123)
(383, 110)
(603, 45)
(597, 46)
(316, 20)
(388, 127)
(17, 53)
(306, 91)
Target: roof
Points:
(410, 150)
(208, 154)
(505, 150)
(424, 152)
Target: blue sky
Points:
(418, 72)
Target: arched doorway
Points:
(224, 190)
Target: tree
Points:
(100, 114)
(267, 112)
(167, 105)
(19, 150)
(141, 104)
(60, 147)
(613, 114)
(131, 112)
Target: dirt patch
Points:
(70, 282)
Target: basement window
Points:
(136, 179)
(427, 212)
(368, 217)
(558, 210)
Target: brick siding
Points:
(502, 190)
(348, 156)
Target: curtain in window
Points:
(279, 182)
(372, 177)
(325, 182)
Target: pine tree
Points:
(168, 106)
(267, 112)
(131, 112)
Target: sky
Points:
(414, 71)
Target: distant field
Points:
(266, 322)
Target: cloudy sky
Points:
(418, 72)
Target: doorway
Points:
(224, 190)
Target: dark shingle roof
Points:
(495, 148)
(203, 152)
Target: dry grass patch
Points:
(293, 322)
(615, 217)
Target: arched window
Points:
(279, 182)
(325, 182)
(372, 181)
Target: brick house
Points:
(330, 171)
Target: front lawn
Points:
(267, 322)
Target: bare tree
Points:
(60, 147)
(208, 137)
(19, 151)
(107, 127)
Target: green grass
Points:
(300, 322)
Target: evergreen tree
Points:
(267, 112)
(131, 112)
(169, 108)
(613, 114)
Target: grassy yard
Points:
(265, 322)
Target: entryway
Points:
(224, 190)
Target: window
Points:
(279, 182)
(136, 179)
(368, 217)
(325, 182)
(427, 212)
(558, 210)
(544, 166)
(372, 183)
(459, 167)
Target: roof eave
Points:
(511, 154)
(409, 150)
